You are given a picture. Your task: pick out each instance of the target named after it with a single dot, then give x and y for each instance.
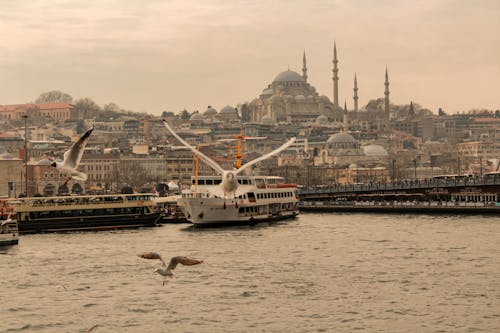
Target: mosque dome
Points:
(288, 76)
(196, 117)
(375, 150)
(324, 99)
(267, 120)
(342, 138)
(310, 97)
(227, 110)
(210, 111)
(276, 99)
(322, 120)
(267, 92)
(44, 161)
(300, 98)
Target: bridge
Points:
(461, 194)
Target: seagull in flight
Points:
(72, 158)
(166, 271)
(229, 183)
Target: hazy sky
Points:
(169, 55)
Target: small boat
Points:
(9, 233)
(86, 212)
(171, 212)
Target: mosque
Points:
(291, 99)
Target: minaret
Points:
(411, 112)
(355, 98)
(387, 93)
(335, 77)
(345, 119)
(304, 67)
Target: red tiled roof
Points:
(41, 106)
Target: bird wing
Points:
(73, 156)
(214, 165)
(266, 156)
(182, 260)
(77, 175)
(151, 255)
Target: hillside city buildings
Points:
(335, 143)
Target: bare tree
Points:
(54, 96)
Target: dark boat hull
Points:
(9, 242)
(89, 223)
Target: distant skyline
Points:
(154, 56)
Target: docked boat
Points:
(88, 212)
(9, 233)
(265, 198)
(171, 212)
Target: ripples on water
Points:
(319, 273)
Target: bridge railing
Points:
(400, 185)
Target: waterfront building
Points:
(11, 175)
(56, 111)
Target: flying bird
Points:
(72, 158)
(229, 183)
(166, 271)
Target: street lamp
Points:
(415, 168)
(393, 170)
(25, 116)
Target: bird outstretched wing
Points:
(182, 260)
(151, 255)
(266, 156)
(73, 156)
(211, 163)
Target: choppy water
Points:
(319, 273)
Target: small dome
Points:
(310, 97)
(322, 120)
(375, 150)
(342, 137)
(227, 110)
(267, 92)
(276, 98)
(196, 117)
(210, 111)
(267, 120)
(300, 98)
(44, 161)
(324, 98)
(288, 76)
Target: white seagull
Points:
(72, 158)
(229, 183)
(166, 271)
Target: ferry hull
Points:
(89, 223)
(214, 212)
(9, 242)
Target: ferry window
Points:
(209, 182)
(217, 181)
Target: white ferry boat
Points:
(233, 198)
(265, 198)
(86, 212)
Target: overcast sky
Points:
(169, 55)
